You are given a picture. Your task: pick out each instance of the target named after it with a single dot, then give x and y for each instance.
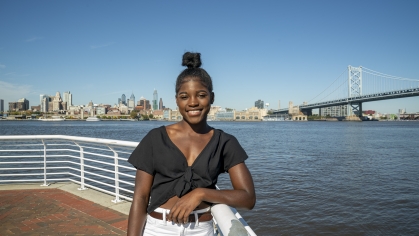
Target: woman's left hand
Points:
(184, 206)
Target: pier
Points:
(59, 209)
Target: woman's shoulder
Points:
(155, 132)
(224, 135)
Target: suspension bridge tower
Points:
(354, 90)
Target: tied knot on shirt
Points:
(184, 184)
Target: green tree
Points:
(151, 116)
(133, 114)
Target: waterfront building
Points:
(212, 112)
(123, 109)
(166, 114)
(44, 102)
(68, 99)
(175, 115)
(155, 97)
(334, 111)
(113, 111)
(36, 108)
(158, 114)
(1, 105)
(22, 104)
(259, 104)
(293, 110)
(12, 106)
(161, 107)
(224, 115)
(100, 110)
(252, 114)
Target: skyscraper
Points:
(44, 108)
(1, 105)
(155, 98)
(161, 104)
(123, 99)
(68, 99)
(131, 102)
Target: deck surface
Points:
(52, 211)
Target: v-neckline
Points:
(180, 151)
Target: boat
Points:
(93, 118)
(53, 118)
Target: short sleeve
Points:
(142, 157)
(233, 153)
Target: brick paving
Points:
(56, 212)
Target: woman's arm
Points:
(138, 211)
(241, 196)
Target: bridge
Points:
(361, 85)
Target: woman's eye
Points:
(183, 97)
(202, 95)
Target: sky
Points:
(276, 51)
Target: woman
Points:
(178, 165)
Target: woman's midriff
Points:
(172, 201)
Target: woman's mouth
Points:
(194, 112)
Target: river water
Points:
(311, 178)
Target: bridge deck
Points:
(31, 210)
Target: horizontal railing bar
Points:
(70, 138)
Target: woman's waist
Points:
(196, 215)
(173, 200)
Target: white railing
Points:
(98, 164)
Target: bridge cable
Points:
(327, 88)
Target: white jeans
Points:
(156, 227)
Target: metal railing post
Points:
(45, 164)
(81, 168)
(117, 199)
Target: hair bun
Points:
(191, 60)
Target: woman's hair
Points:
(193, 72)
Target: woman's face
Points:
(194, 101)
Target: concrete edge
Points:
(95, 196)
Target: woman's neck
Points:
(201, 128)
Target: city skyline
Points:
(271, 50)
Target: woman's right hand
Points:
(181, 210)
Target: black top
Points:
(159, 156)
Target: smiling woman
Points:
(178, 166)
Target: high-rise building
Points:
(68, 99)
(144, 103)
(161, 104)
(44, 108)
(259, 104)
(1, 105)
(334, 111)
(155, 98)
(12, 106)
(131, 102)
(22, 104)
(123, 99)
(56, 102)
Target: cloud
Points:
(33, 39)
(101, 45)
(2, 66)
(12, 92)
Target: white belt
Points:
(166, 211)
